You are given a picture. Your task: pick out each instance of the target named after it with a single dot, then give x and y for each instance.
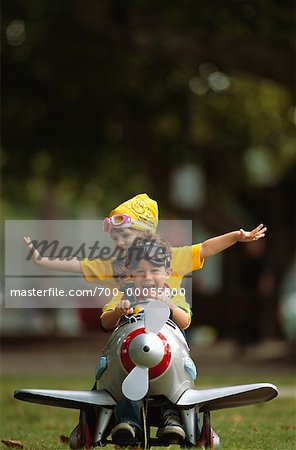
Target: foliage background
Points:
(106, 99)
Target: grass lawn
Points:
(270, 426)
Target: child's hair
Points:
(118, 263)
(151, 247)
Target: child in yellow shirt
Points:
(125, 223)
(148, 262)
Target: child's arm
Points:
(72, 265)
(178, 315)
(110, 319)
(219, 243)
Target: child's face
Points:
(150, 278)
(124, 238)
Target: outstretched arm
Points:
(72, 265)
(219, 243)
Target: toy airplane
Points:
(147, 357)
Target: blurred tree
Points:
(103, 99)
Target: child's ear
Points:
(168, 271)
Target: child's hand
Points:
(36, 255)
(254, 235)
(123, 308)
(167, 300)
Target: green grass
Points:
(270, 426)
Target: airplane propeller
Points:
(146, 350)
(156, 314)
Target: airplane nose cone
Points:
(146, 350)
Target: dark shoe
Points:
(172, 432)
(122, 433)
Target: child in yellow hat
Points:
(125, 223)
(143, 213)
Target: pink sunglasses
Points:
(118, 220)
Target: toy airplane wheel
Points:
(206, 439)
(80, 437)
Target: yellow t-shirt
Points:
(184, 260)
(99, 271)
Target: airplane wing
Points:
(228, 397)
(66, 399)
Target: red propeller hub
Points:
(128, 363)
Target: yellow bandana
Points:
(141, 208)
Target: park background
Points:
(192, 103)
